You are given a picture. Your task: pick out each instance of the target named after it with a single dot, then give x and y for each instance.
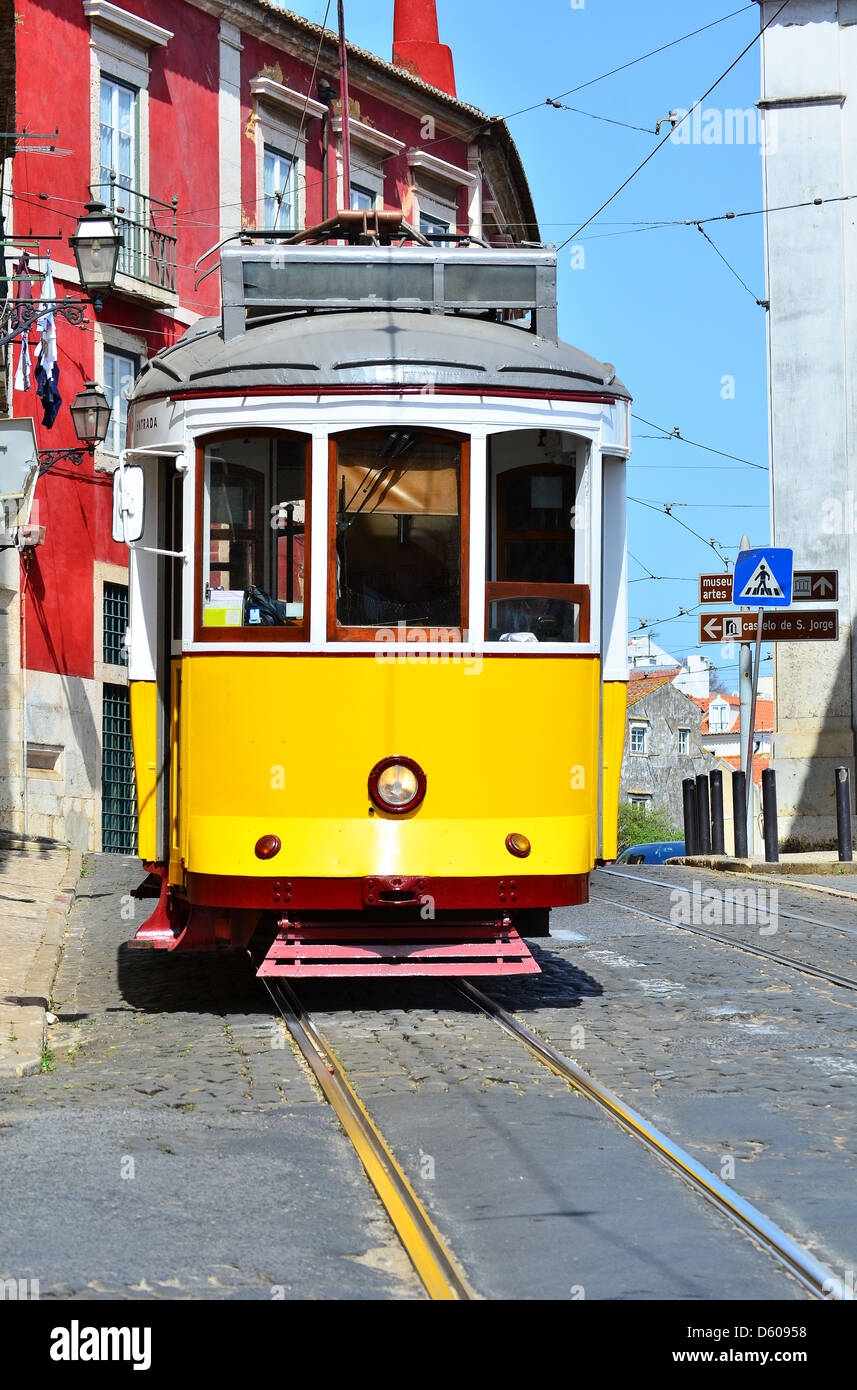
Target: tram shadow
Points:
(226, 982)
(559, 986)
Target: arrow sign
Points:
(812, 585)
(763, 578)
(809, 625)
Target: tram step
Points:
(339, 950)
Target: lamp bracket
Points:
(48, 457)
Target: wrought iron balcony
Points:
(150, 232)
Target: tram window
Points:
(531, 594)
(397, 517)
(254, 515)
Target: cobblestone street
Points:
(198, 1159)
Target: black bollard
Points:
(703, 814)
(843, 815)
(691, 837)
(718, 833)
(769, 813)
(739, 813)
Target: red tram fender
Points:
(301, 951)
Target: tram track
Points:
(811, 1273)
(682, 888)
(816, 972)
(434, 1265)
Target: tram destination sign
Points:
(809, 586)
(808, 625)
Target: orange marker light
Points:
(518, 845)
(268, 847)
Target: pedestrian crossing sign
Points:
(763, 578)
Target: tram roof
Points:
(368, 348)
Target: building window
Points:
(119, 138)
(279, 191)
(719, 718)
(640, 739)
(115, 624)
(120, 171)
(119, 799)
(363, 199)
(433, 226)
(684, 742)
(639, 799)
(120, 369)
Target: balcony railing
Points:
(150, 232)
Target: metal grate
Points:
(115, 624)
(119, 796)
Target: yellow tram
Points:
(376, 515)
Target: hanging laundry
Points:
(20, 321)
(48, 345)
(23, 291)
(46, 387)
(23, 380)
(47, 367)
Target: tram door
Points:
(170, 572)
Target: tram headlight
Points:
(397, 785)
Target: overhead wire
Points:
(668, 136)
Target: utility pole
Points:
(745, 692)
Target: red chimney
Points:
(417, 47)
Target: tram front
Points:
(378, 612)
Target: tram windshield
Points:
(254, 517)
(397, 504)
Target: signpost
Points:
(809, 625)
(715, 588)
(811, 585)
(764, 579)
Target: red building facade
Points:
(191, 120)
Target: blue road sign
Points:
(763, 578)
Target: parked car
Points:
(658, 852)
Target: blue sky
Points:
(686, 337)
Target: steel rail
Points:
(841, 981)
(434, 1265)
(791, 916)
(829, 976)
(812, 1274)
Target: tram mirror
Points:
(129, 497)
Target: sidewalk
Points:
(38, 880)
(816, 869)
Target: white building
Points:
(809, 97)
(693, 677)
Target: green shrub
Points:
(640, 825)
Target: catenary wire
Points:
(667, 137)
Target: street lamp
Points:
(90, 412)
(96, 245)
